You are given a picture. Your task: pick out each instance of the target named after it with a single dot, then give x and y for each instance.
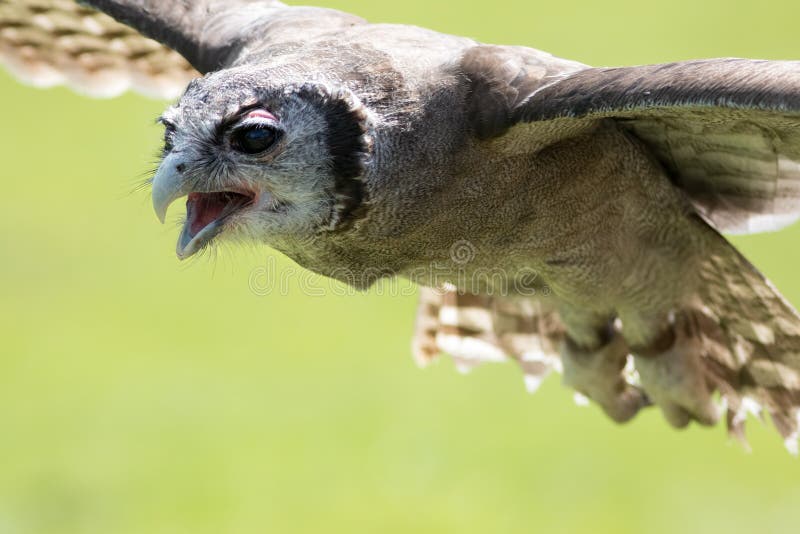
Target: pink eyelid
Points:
(261, 114)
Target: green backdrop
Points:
(141, 395)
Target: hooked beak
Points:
(206, 211)
(168, 185)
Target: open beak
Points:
(206, 211)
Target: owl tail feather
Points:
(751, 341)
(477, 329)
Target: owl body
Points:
(573, 229)
(555, 214)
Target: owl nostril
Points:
(180, 167)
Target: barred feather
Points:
(476, 329)
(752, 339)
(54, 42)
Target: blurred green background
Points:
(140, 395)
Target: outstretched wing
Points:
(53, 42)
(476, 329)
(105, 47)
(727, 130)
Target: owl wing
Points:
(476, 329)
(727, 130)
(54, 42)
(105, 47)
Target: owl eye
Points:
(255, 138)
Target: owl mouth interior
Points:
(205, 215)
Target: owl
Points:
(558, 215)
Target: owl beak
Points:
(206, 211)
(169, 185)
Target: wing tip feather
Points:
(108, 83)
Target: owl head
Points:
(260, 155)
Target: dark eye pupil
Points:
(255, 139)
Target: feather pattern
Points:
(477, 329)
(727, 130)
(751, 336)
(53, 42)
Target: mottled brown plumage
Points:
(563, 216)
